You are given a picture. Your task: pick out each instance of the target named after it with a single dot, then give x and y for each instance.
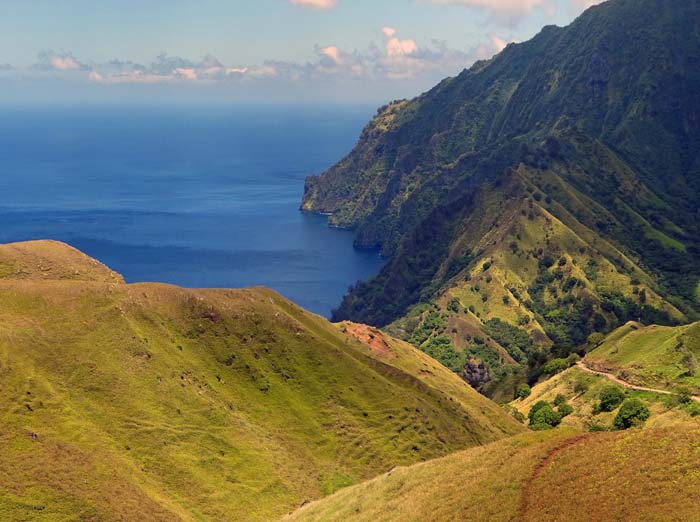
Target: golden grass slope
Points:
(640, 475)
(51, 260)
(151, 402)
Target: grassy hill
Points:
(653, 356)
(582, 392)
(577, 147)
(641, 475)
(152, 402)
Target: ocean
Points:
(202, 197)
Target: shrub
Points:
(580, 387)
(596, 427)
(555, 366)
(559, 400)
(523, 391)
(684, 395)
(693, 409)
(611, 397)
(633, 412)
(454, 305)
(441, 349)
(544, 418)
(565, 410)
(535, 408)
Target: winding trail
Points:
(582, 366)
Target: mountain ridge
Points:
(587, 130)
(185, 404)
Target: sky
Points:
(254, 51)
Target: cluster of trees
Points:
(633, 412)
(545, 416)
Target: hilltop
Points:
(538, 198)
(153, 402)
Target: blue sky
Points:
(254, 50)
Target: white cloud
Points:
(315, 4)
(58, 61)
(398, 60)
(333, 53)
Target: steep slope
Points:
(550, 476)
(579, 147)
(152, 402)
(654, 356)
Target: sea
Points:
(197, 196)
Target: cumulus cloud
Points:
(396, 58)
(396, 46)
(316, 4)
(332, 53)
(58, 61)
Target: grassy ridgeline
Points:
(152, 402)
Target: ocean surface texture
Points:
(199, 197)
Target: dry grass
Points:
(640, 475)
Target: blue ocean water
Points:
(203, 197)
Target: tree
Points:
(611, 397)
(537, 406)
(545, 418)
(523, 391)
(633, 412)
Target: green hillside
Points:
(553, 188)
(152, 402)
(641, 475)
(582, 392)
(653, 356)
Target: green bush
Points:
(565, 410)
(454, 305)
(441, 349)
(544, 417)
(523, 391)
(684, 395)
(555, 366)
(633, 412)
(611, 397)
(559, 400)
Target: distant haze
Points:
(240, 51)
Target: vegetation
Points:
(521, 478)
(633, 412)
(611, 397)
(152, 402)
(523, 391)
(653, 356)
(535, 190)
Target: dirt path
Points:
(540, 468)
(582, 365)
